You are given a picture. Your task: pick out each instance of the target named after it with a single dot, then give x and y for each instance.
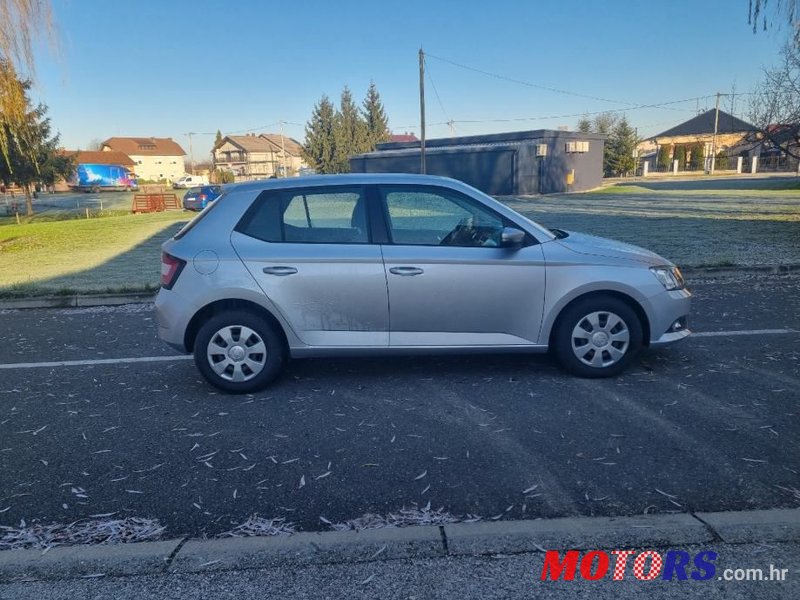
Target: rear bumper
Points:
(173, 314)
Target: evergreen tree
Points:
(217, 139)
(697, 158)
(349, 133)
(621, 148)
(34, 158)
(319, 145)
(665, 154)
(374, 115)
(723, 161)
(680, 156)
(584, 125)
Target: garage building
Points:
(543, 161)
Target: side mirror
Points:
(511, 237)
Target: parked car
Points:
(408, 264)
(188, 181)
(198, 198)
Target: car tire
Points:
(239, 351)
(597, 336)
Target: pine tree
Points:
(218, 139)
(36, 157)
(349, 133)
(374, 115)
(697, 159)
(319, 145)
(621, 148)
(680, 156)
(584, 125)
(664, 157)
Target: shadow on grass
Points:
(134, 270)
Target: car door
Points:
(450, 281)
(311, 253)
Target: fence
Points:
(145, 203)
(728, 164)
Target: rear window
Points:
(313, 216)
(193, 191)
(188, 227)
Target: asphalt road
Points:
(708, 425)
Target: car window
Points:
(193, 191)
(437, 217)
(315, 216)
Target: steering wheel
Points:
(461, 231)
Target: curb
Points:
(78, 300)
(419, 542)
(733, 270)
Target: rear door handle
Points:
(280, 271)
(406, 271)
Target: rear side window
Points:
(190, 225)
(313, 216)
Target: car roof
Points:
(341, 179)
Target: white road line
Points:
(146, 359)
(744, 332)
(98, 361)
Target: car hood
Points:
(598, 246)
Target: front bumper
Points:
(669, 312)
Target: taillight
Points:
(202, 197)
(171, 267)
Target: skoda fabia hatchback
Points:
(379, 263)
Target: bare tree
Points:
(775, 105)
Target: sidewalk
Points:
(465, 560)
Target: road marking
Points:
(97, 361)
(147, 359)
(744, 332)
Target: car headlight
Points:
(670, 277)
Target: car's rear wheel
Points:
(239, 351)
(597, 337)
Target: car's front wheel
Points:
(239, 351)
(597, 337)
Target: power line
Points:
(536, 85)
(527, 83)
(580, 114)
(438, 98)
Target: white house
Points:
(154, 159)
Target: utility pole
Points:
(714, 139)
(283, 153)
(422, 111)
(191, 152)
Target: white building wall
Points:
(158, 167)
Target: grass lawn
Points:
(693, 227)
(118, 253)
(705, 227)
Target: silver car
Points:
(386, 263)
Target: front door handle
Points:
(280, 271)
(406, 271)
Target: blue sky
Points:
(167, 67)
